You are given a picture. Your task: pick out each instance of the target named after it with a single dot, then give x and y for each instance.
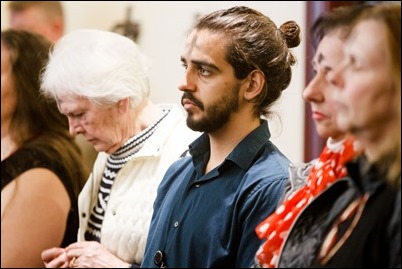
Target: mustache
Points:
(189, 96)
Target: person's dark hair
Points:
(254, 42)
(339, 18)
(36, 120)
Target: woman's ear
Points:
(256, 84)
(123, 105)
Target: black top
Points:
(369, 237)
(34, 157)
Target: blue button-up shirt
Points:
(208, 220)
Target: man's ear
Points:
(256, 84)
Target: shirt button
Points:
(197, 185)
(159, 259)
(176, 224)
(83, 215)
(114, 213)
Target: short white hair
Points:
(102, 66)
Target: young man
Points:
(237, 63)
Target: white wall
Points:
(163, 30)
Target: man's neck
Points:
(226, 138)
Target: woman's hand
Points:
(91, 254)
(55, 258)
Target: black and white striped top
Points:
(113, 165)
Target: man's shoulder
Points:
(270, 163)
(267, 172)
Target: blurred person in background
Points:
(368, 104)
(42, 17)
(310, 180)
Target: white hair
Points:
(102, 66)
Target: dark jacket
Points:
(373, 239)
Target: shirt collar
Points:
(242, 155)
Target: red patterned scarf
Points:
(329, 167)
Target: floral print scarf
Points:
(329, 167)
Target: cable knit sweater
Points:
(129, 210)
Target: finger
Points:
(51, 253)
(74, 253)
(60, 261)
(82, 244)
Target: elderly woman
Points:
(368, 104)
(41, 172)
(99, 80)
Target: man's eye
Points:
(203, 71)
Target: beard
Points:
(216, 114)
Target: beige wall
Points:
(163, 31)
